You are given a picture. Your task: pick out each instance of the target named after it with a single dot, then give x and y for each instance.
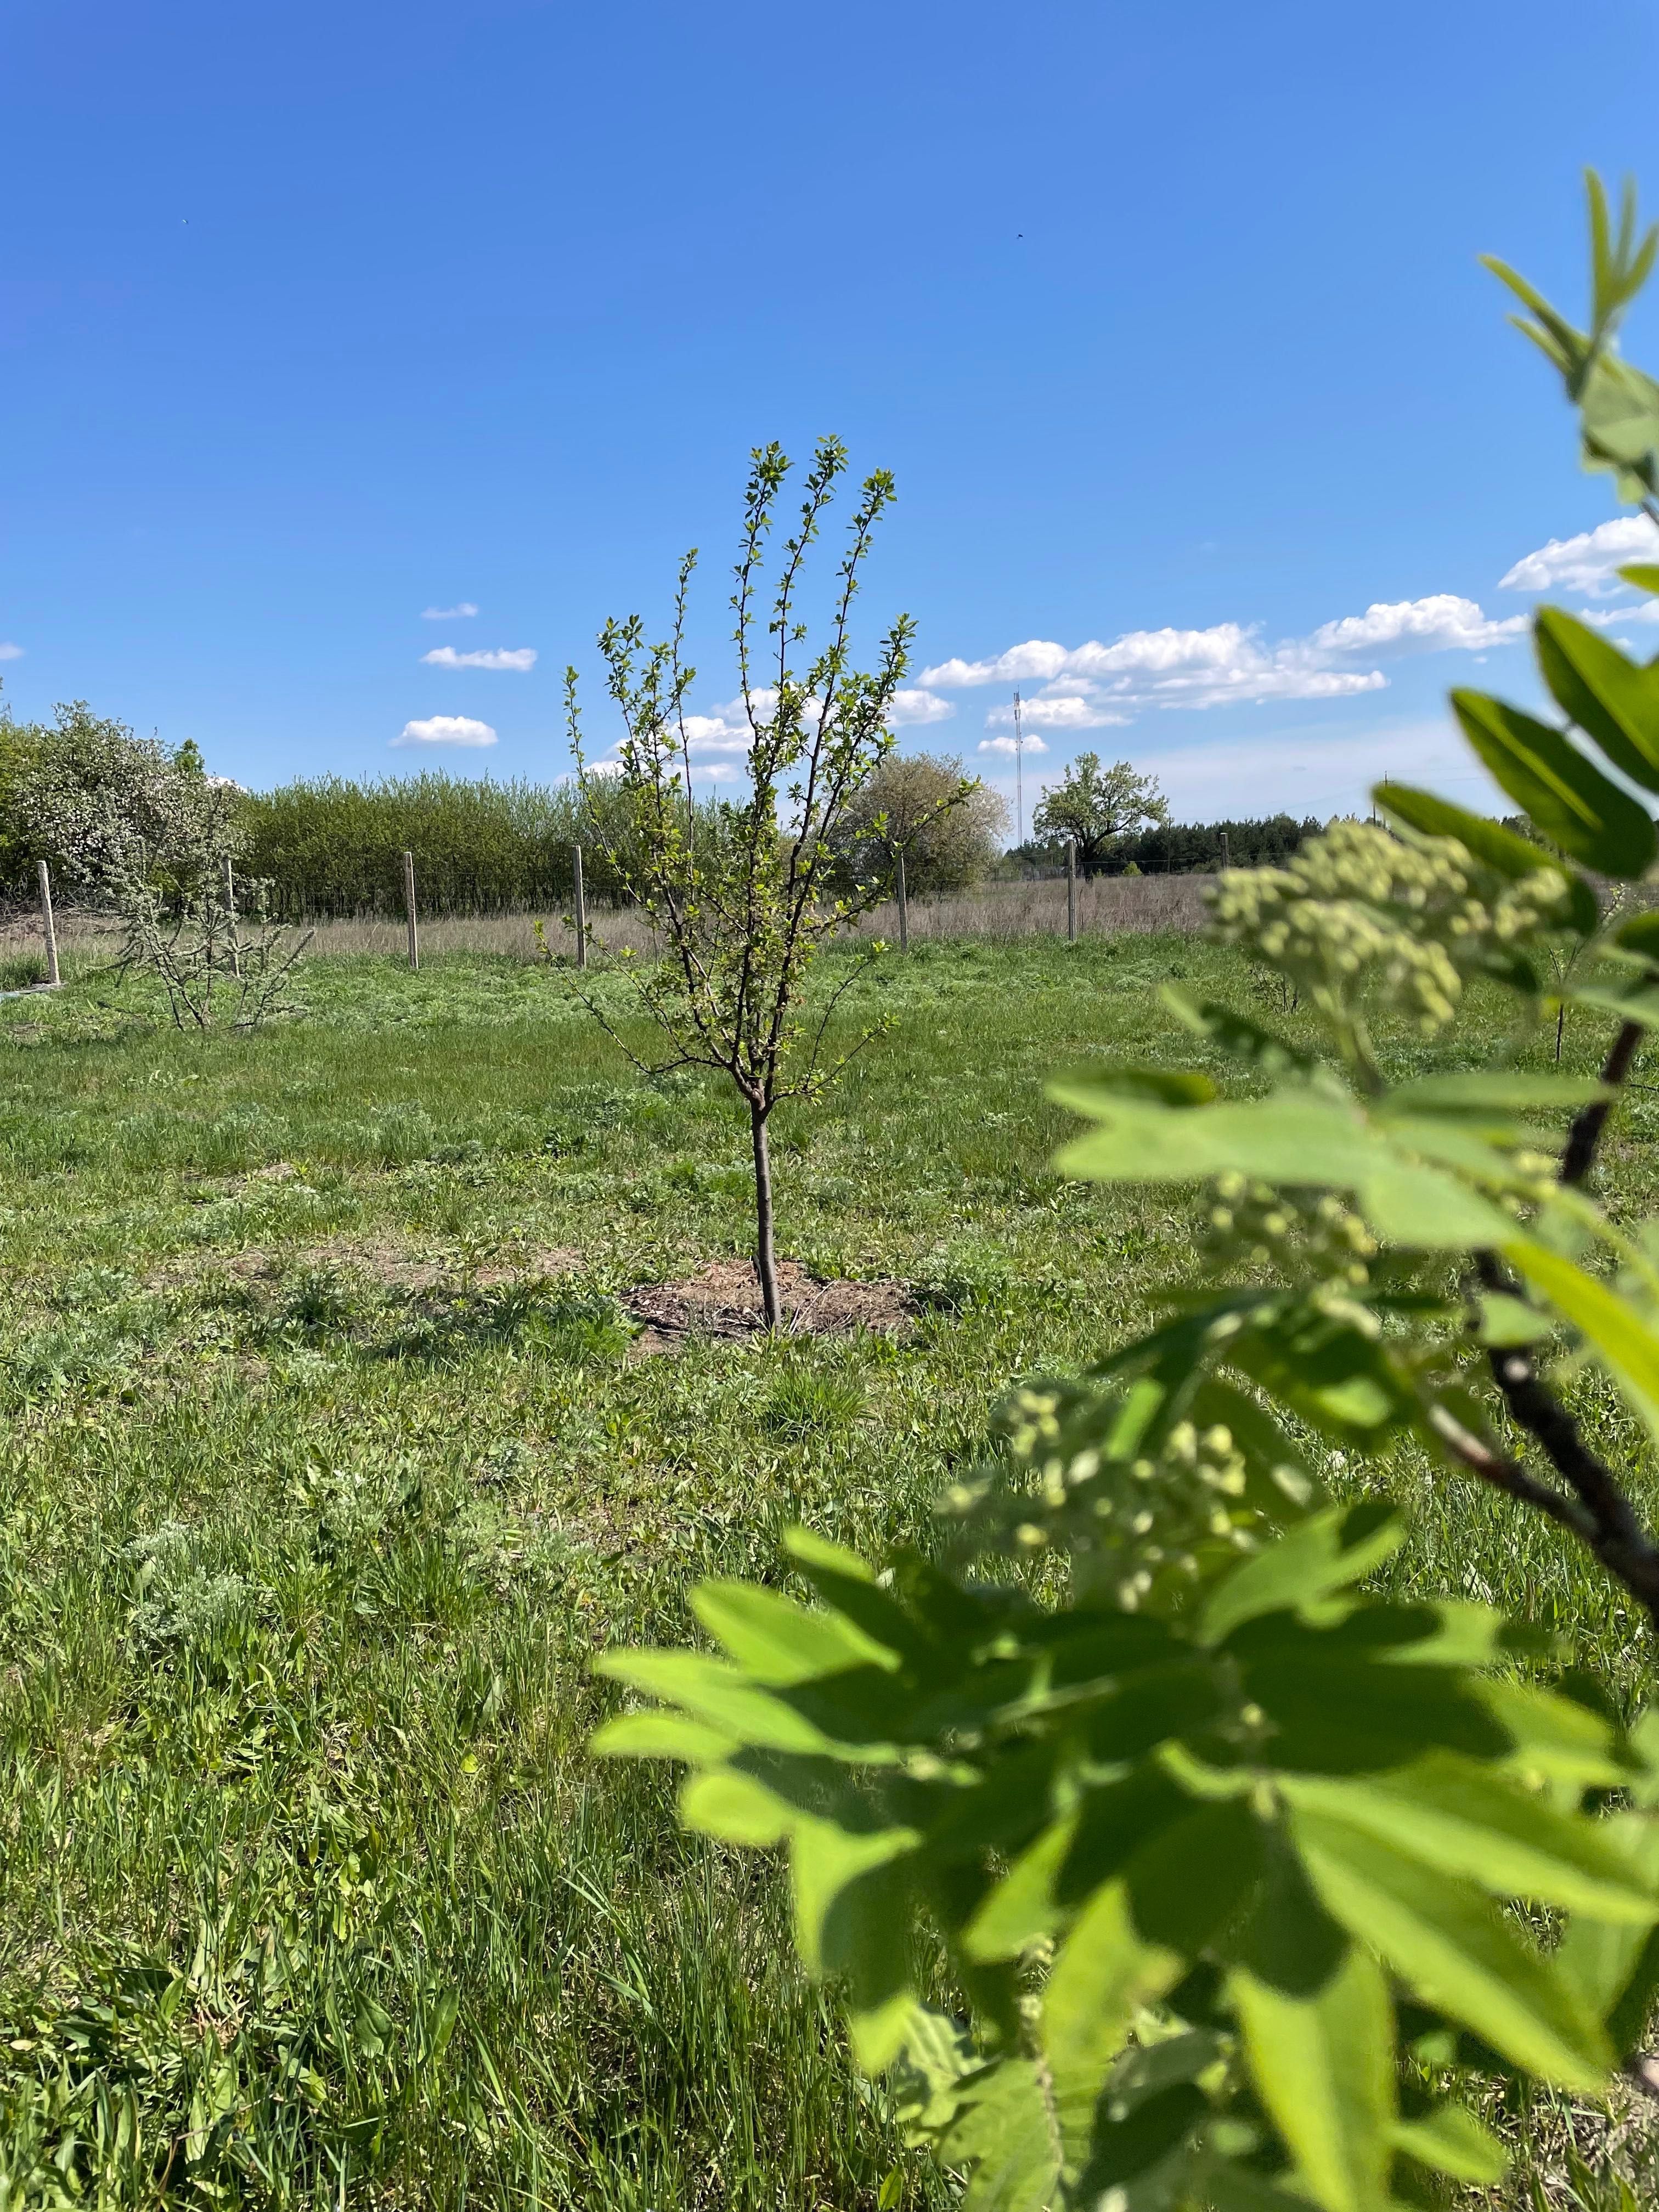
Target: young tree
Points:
(920, 805)
(142, 831)
(1094, 804)
(743, 913)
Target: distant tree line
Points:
(1179, 848)
(329, 847)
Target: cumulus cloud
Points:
(912, 708)
(1007, 746)
(1059, 710)
(458, 612)
(11, 653)
(1440, 624)
(1092, 686)
(520, 657)
(1585, 563)
(447, 730)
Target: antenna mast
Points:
(1019, 778)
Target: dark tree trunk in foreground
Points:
(766, 1266)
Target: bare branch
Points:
(1585, 1133)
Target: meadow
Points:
(331, 1454)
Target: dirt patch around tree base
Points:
(724, 1300)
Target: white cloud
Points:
(447, 730)
(521, 657)
(1064, 710)
(1643, 611)
(1006, 745)
(11, 653)
(1585, 563)
(458, 612)
(912, 708)
(1095, 685)
(1440, 624)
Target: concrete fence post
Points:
(1070, 890)
(581, 908)
(409, 911)
(54, 979)
(903, 909)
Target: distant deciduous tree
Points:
(108, 808)
(946, 825)
(1094, 804)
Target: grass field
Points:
(330, 1460)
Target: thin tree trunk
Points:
(766, 1265)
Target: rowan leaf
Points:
(1326, 1553)
(1564, 793)
(1629, 1348)
(1455, 1952)
(1103, 1974)
(1456, 1816)
(1614, 700)
(779, 1643)
(1449, 2139)
(1322, 2064)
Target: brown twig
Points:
(1578, 1154)
(1598, 1510)
(1509, 1475)
(1610, 1525)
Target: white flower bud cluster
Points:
(1150, 1528)
(1252, 1225)
(1358, 906)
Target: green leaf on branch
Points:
(1326, 1552)
(1500, 848)
(1001, 2129)
(1615, 700)
(1626, 1343)
(1565, 794)
(1238, 1036)
(1640, 934)
(1449, 2139)
(1455, 1952)
(779, 1642)
(1320, 2058)
(1295, 1138)
(853, 1904)
(1457, 1817)
(1103, 1975)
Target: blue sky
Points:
(1168, 320)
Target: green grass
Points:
(326, 1470)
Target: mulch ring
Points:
(724, 1301)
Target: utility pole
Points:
(1019, 778)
